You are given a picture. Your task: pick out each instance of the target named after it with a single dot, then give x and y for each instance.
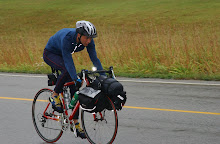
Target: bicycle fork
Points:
(99, 118)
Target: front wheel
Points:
(101, 127)
(50, 130)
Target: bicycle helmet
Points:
(86, 28)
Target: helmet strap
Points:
(78, 44)
(79, 40)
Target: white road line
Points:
(165, 82)
(134, 81)
(17, 75)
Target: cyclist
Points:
(58, 54)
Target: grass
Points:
(142, 38)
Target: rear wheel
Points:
(49, 130)
(101, 127)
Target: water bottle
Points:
(66, 97)
(74, 100)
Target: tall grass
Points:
(165, 38)
(170, 49)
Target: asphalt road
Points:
(157, 111)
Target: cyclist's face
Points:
(85, 40)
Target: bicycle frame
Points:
(70, 118)
(57, 118)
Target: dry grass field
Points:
(142, 38)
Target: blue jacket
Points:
(64, 43)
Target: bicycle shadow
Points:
(73, 141)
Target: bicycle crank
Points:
(64, 122)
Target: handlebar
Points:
(86, 72)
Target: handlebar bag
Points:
(109, 86)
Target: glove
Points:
(78, 84)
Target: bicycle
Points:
(99, 127)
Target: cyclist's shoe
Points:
(78, 131)
(56, 103)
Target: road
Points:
(157, 111)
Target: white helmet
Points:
(86, 28)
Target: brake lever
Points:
(112, 72)
(84, 83)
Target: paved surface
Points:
(157, 112)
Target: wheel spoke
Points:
(49, 130)
(103, 130)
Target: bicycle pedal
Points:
(75, 133)
(73, 129)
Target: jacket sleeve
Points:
(93, 56)
(67, 57)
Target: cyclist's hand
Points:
(78, 83)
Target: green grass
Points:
(142, 38)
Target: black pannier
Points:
(109, 86)
(92, 100)
(52, 79)
(112, 88)
(119, 100)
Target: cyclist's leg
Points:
(78, 130)
(72, 92)
(76, 116)
(56, 62)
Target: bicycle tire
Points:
(101, 131)
(49, 130)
